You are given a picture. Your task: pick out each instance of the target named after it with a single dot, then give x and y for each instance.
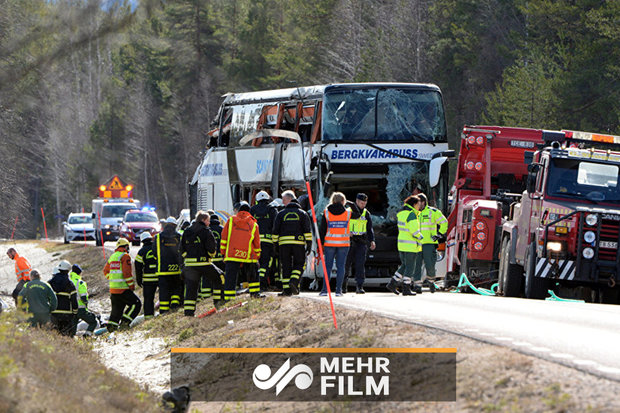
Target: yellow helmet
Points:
(122, 242)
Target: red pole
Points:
(14, 226)
(101, 233)
(44, 224)
(321, 256)
(84, 234)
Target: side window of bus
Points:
(225, 128)
(235, 191)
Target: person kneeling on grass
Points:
(38, 299)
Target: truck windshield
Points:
(140, 217)
(383, 114)
(115, 211)
(584, 179)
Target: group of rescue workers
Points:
(263, 243)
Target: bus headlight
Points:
(554, 246)
(588, 253)
(589, 237)
(592, 219)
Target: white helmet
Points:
(64, 265)
(145, 235)
(262, 195)
(171, 220)
(55, 270)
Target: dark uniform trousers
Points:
(170, 292)
(148, 290)
(125, 307)
(217, 291)
(64, 323)
(264, 264)
(356, 263)
(85, 315)
(293, 258)
(232, 272)
(193, 278)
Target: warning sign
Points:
(115, 188)
(115, 183)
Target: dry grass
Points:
(41, 371)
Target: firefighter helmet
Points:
(145, 235)
(261, 196)
(64, 265)
(122, 242)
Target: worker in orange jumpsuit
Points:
(22, 271)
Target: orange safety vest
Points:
(337, 229)
(22, 268)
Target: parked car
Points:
(138, 221)
(79, 226)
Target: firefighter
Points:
(433, 227)
(293, 237)
(22, 271)
(118, 272)
(63, 317)
(146, 273)
(82, 298)
(217, 261)
(362, 238)
(265, 216)
(37, 298)
(409, 246)
(197, 247)
(240, 245)
(166, 252)
(334, 232)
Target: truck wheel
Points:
(535, 287)
(510, 275)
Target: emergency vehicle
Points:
(108, 211)
(385, 139)
(563, 235)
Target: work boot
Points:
(417, 289)
(285, 293)
(407, 290)
(392, 286)
(432, 287)
(360, 290)
(294, 287)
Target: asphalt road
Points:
(579, 335)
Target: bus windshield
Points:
(579, 179)
(383, 114)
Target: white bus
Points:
(387, 140)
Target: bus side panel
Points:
(255, 164)
(214, 184)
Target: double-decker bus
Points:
(387, 140)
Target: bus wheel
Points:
(535, 287)
(510, 275)
(608, 295)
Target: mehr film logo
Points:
(316, 374)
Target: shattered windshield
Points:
(383, 114)
(581, 179)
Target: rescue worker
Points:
(292, 236)
(125, 303)
(217, 261)
(334, 233)
(265, 216)
(240, 245)
(63, 317)
(409, 246)
(22, 271)
(433, 227)
(37, 298)
(82, 298)
(197, 247)
(166, 252)
(146, 273)
(362, 238)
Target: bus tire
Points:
(535, 287)
(510, 275)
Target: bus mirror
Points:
(434, 170)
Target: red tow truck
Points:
(564, 233)
(491, 174)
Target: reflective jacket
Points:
(146, 264)
(360, 225)
(197, 245)
(166, 251)
(431, 218)
(337, 223)
(265, 216)
(22, 268)
(216, 230)
(39, 297)
(65, 293)
(292, 226)
(118, 272)
(81, 287)
(240, 239)
(409, 236)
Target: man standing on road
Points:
(22, 271)
(82, 298)
(63, 317)
(38, 299)
(292, 235)
(409, 246)
(197, 246)
(265, 216)
(430, 219)
(240, 245)
(146, 273)
(166, 251)
(362, 237)
(118, 272)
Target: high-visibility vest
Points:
(430, 218)
(115, 276)
(81, 287)
(357, 226)
(409, 236)
(337, 229)
(22, 268)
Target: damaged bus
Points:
(387, 140)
